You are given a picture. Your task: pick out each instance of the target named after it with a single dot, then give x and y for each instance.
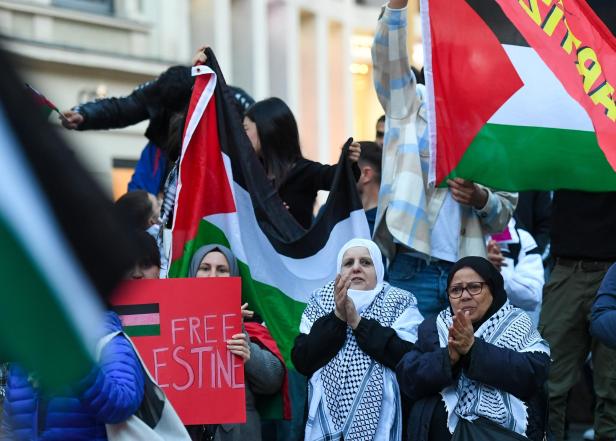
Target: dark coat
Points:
(110, 394)
(603, 324)
(300, 187)
(426, 370)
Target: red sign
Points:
(181, 327)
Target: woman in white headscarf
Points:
(354, 331)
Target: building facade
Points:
(314, 54)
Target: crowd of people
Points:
(439, 328)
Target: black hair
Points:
(147, 250)
(380, 120)
(175, 87)
(372, 153)
(278, 136)
(135, 208)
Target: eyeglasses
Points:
(473, 288)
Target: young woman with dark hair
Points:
(272, 130)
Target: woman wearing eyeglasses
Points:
(478, 368)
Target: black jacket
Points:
(156, 101)
(426, 370)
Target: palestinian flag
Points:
(521, 93)
(43, 102)
(60, 246)
(224, 197)
(139, 320)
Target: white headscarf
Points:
(363, 299)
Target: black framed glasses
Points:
(473, 288)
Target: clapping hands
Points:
(345, 308)
(461, 336)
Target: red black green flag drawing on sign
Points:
(521, 93)
(139, 320)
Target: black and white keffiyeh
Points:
(347, 396)
(510, 328)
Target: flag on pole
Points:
(60, 246)
(225, 197)
(43, 102)
(521, 93)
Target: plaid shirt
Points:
(408, 203)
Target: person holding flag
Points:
(422, 229)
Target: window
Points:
(93, 6)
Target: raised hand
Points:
(341, 285)
(71, 119)
(354, 152)
(462, 332)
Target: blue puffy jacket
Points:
(603, 322)
(111, 394)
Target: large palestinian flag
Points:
(521, 93)
(224, 197)
(60, 246)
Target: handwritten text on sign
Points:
(181, 327)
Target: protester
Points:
(603, 324)
(369, 182)
(353, 333)
(583, 228)
(158, 101)
(421, 229)
(110, 394)
(477, 363)
(518, 259)
(272, 130)
(139, 208)
(264, 370)
(148, 258)
(532, 214)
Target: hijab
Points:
(205, 250)
(363, 299)
(490, 275)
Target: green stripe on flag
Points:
(556, 159)
(36, 328)
(281, 313)
(142, 330)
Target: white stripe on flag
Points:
(297, 278)
(28, 213)
(542, 101)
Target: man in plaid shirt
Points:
(421, 229)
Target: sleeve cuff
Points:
(396, 17)
(489, 206)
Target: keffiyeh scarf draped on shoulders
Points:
(349, 396)
(510, 328)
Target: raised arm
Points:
(393, 79)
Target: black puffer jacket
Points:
(156, 100)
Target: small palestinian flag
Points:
(521, 93)
(139, 320)
(224, 197)
(43, 102)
